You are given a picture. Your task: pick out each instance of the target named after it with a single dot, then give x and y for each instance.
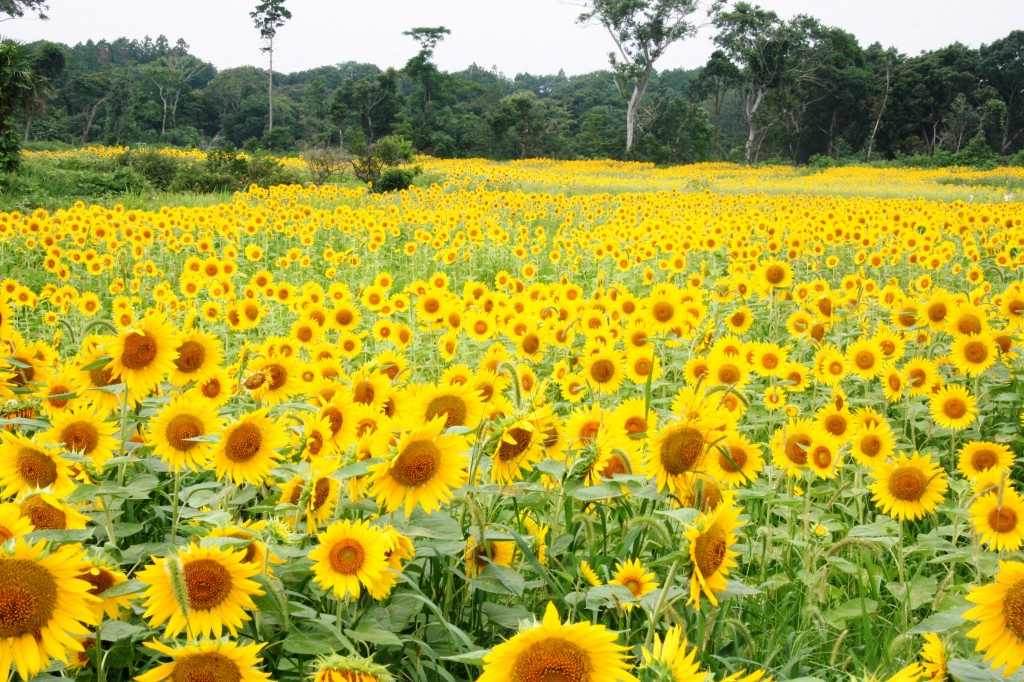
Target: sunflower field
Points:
(535, 422)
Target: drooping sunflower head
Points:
(711, 539)
(338, 668)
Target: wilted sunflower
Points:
(207, 660)
(338, 668)
(551, 650)
(203, 590)
(999, 520)
(83, 431)
(142, 356)
(351, 557)
(248, 448)
(908, 487)
(45, 609)
(711, 539)
(1000, 608)
(672, 659)
(26, 466)
(171, 432)
(423, 470)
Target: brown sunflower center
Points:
(207, 666)
(59, 389)
(510, 451)
(602, 371)
(663, 311)
(917, 377)
(836, 424)
(28, 597)
(895, 382)
(983, 458)
(821, 456)
(244, 442)
(363, 392)
(80, 437)
(616, 465)
(635, 425)
(975, 352)
(42, 514)
(871, 445)
(968, 323)
(774, 274)
(770, 361)
(211, 389)
(865, 359)
(296, 493)
(888, 347)
(734, 462)
(208, 583)
(277, 375)
(907, 483)
(191, 356)
(451, 406)
(180, 428)
(709, 550)
(552, 659)
(633, 586)
(417, 464)
(729, 373)
(531, 343)
(36, 468)
(100, 579)
(681, 449)
(1013, 609)
(1002, 519)
(139, 351)
(346, 556)
(937, 312)
(321, 490)
(954, 407)
(796, 448)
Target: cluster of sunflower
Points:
(577, 358)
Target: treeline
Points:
(797, 90)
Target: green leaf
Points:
(373, 635)
(854, 608)
(685, 516)
(470, 658)
(941, 622)
(98, 363)
(313, 637)
(61, 537)
(500, 580)
(117, 630)
(920, 591)
(508, 617)
(123, 590)
(611, 596)
(121, 655)
(603, 491)
(966, 671)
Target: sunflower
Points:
(101, 578)
(736, 460)
(953, 407)
(255, 552)
(202, 590)
(248, 448)
(604, 371)
(172, 430)
(423, 470)
(679, 449)
(273, 379)
(933, 655)
(633, 575)
(26, 466)
(672, 659)
(864, 357)
(775, 274)
(45, 609)
(460, 405)
(829, 365)
(520, 444)
(12, 523)
(872, 444)
(1000, 608)
(199, 356)
(999, 520)
(789, 446)
(711, 539)
(922, 376)
(350, 557)
(215, 389)
(824, 455)
(478, 555)
(142, 356)
(323, 494)
(908, 487)
(338, 668)
(580, 652)
(207, 660)
(46, 512)
(59, 393)
(398, 549)
(82, 430)
(972, 355)
(977, 457)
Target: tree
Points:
(1002, 67)
(420, 67)
(15, 9)
(269, 16)
(22, 88)
(642, 30)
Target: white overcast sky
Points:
(516, 36)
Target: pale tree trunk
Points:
(878, 119)
(639, 87)
(92, 117)
(751, 105)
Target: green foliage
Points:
(371, 160)
(227, 171)
(395, 179)
(977, 153)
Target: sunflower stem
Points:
(175, 506)
(656, 614)
(901, 569)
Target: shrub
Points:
(394, 179)
(371, 160)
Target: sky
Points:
(517, 36)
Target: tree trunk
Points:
(92, 117)
(751, 104)
(28, 126)
(639, 87)
(878, 119)
(270, 88)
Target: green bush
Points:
(226, 171)
(394, 179)
(158, 169)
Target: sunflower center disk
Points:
(182, 427)
(321, 489)
(139, 351)
(191, 355)
(871, 445)
(209, 666)
(244, 442)
(796, 449)
(510, 451)
(417, 464)
(975, 352)
(738, 459)
(363, 392)
(552, 660)
(278, 376)
(42, 514)
(346, 557)
(36, 468)
(663, 311)
(709, 551)
(907, 484)
(1013, 609)
(81, 437)
(681, 450)
(100, 578)
(208, 583)
(1002, 520)
(954, 408)
(211, 389)
(602, 371)
(452, 407)
(983, 459)
(28, 596)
